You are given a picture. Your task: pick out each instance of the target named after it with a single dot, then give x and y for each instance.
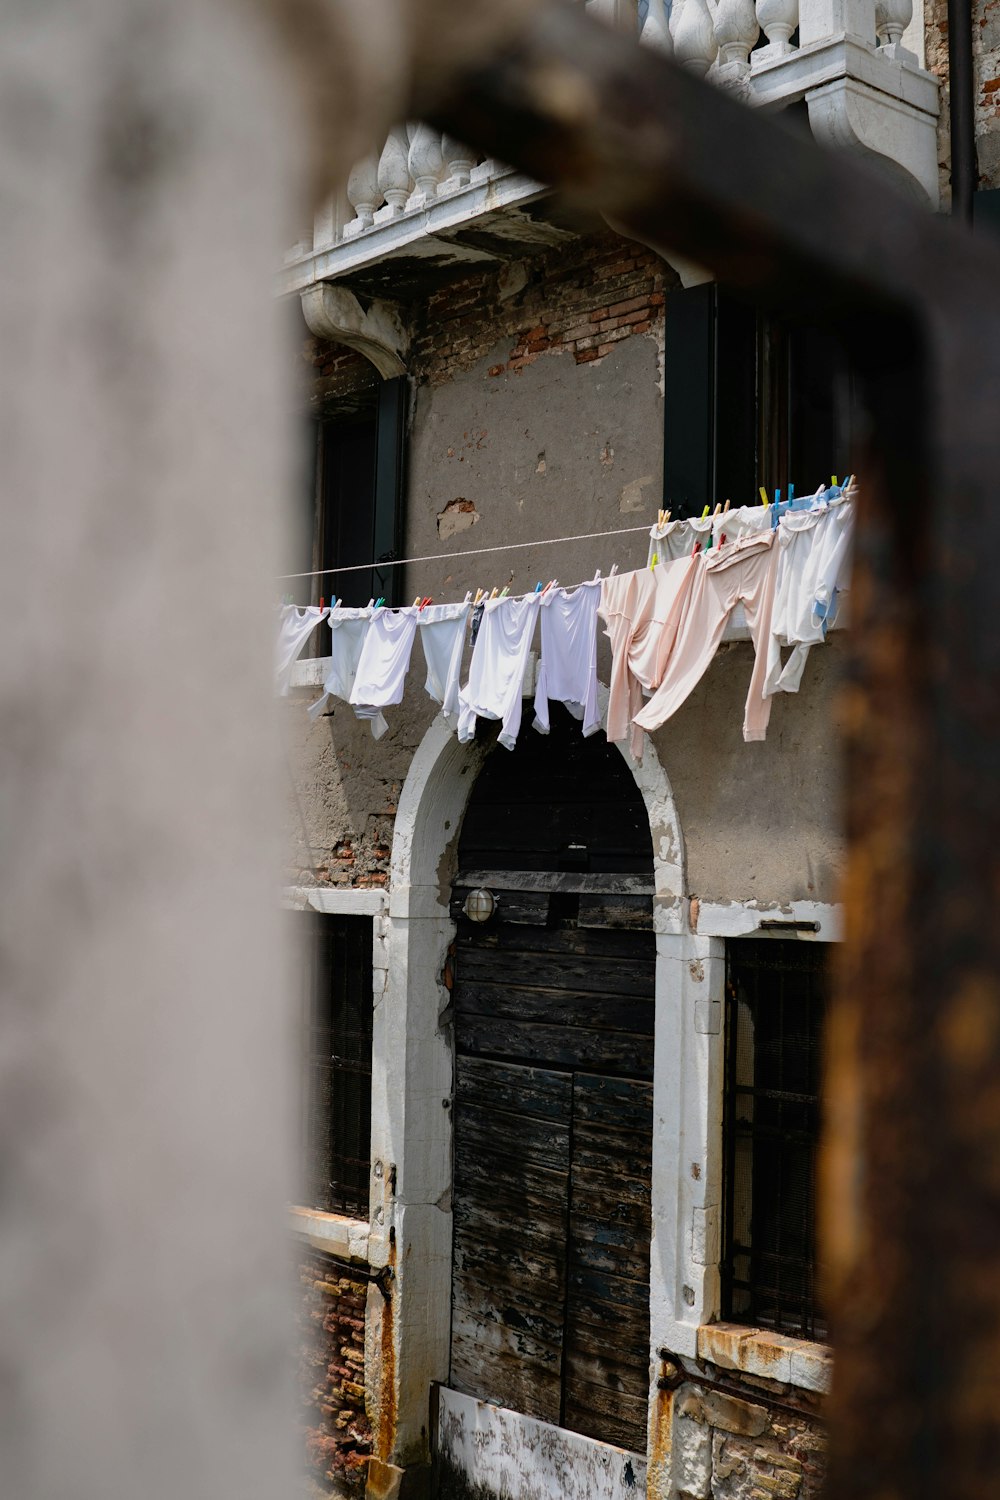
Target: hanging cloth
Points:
(741, 572)
(642, 611)
(813, 554)
(294, 629)
(676, 539)
(382, 667)
(442, 635)
(348, 628)
(568, 670)
(496, 673)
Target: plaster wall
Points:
(518, 437)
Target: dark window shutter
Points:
(390, 483)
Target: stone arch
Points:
(438, 786)
(412, 1071)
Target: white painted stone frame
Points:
(340, 1234)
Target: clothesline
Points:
(399, 562)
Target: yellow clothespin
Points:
(416, 602)
(762, 492)
(494, 593)
(834, 478)
(704, 513)
(653, 561)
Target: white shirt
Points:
(442, 635)
(568, 670)
(348, 628)
(496, 673)
(382, 667)
(814, 552)
(294, 629)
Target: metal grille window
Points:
(776, 999)
(337, 1091)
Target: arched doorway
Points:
(553, 1008)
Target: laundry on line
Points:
(784, 562)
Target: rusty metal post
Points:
(912, 1160)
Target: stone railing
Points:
(863, 89)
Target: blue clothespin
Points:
(538, 586)
(379, 602)
(791, 493)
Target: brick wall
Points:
(331, 1372)
(581, 299)
(735, 1449)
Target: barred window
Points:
(336, 1096)
(776, 995)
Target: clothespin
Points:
(322, 602)
(424, 602)
(504, 591)
(725, 508)
(494, 593)
(777, 497)
(791, 493)
(538, 586)
(468, 596)
(849, 485)
(370, 604)
(416, 603)
(762, 492)
(717, 509)
(653, 561)
(380, 601)
(833, 477)
(597, 576)
(614, 566)
(704, 513)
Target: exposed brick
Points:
(332, 1420)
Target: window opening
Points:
(776, 996)
(336, 1097)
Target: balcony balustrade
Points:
(856, 65)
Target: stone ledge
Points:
(332, 1234)
(772, 1356)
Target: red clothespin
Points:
(322, 602)
(425, 602)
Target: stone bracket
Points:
(899, 138)
(378, 332)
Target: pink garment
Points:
(741, 572)
(642, 611)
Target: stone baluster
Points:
(394, 180)
(459, 161)
(736, 31)
(778, 20)
(363, 193)
(656, 29)
(891, 19)
(693, 35)
(425, 163)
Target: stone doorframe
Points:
(408, 1336)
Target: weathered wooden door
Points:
(553, 1017)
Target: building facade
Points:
(557, 1220)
